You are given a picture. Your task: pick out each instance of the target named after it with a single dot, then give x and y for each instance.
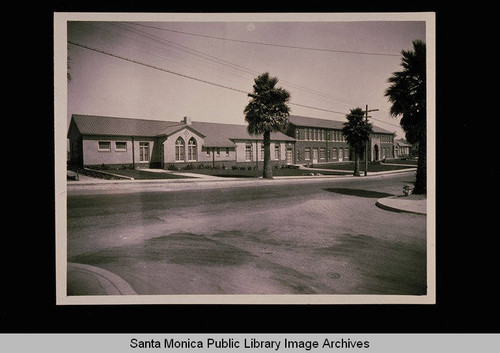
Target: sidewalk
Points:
(411, 204)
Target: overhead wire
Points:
(216, 60)
(187, 76)
(246, 70)
(268, 44)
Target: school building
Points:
(113, 142)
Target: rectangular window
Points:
(143, 151)
(248, 152)
(277, 154)
(218, 151)
(322, 153)
(335, 153)
(227, 151)
(297, 135)
(208, 151)
(307, 134)
(346, 154)
(120, 146)
(104, 145)
(261, 152)
(307, 154)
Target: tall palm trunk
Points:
(356, 163)
(421, 177)
(268, 170)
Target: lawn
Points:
(254, 173)
(372, 167)
(144, 174)
(141, 174)
(412, 161)
(137, 174)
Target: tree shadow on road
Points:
(359, 193)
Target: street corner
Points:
(84, 279)
(411, 204)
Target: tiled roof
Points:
(314, 122)
(220, 135)
(306, 121)
(215, 134)
(105, 125)
(401, 143)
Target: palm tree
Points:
(407, 93)
(356, 131)
(267, 112)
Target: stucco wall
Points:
(94, 156)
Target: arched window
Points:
(192, 149)
(179, 150)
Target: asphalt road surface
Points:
(321, 237)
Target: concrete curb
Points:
(402, 204)
(110, 283)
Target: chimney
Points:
(187, 120)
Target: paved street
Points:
(323, 237)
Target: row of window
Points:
(180, 148)
(384, 138)
(218, 151)
(319, 135)
(121, 146)
(333, 135)
(249, 153)
(334, 153)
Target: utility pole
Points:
(366, 143)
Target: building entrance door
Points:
(289, 156)
(315, 155)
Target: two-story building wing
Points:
(322, 141)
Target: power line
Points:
(156, 67)
(187, 76)
(381, 121)
(269, 44)
(205, 81)
(238, 67)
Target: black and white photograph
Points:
(250, 158)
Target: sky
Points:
(203, 68)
